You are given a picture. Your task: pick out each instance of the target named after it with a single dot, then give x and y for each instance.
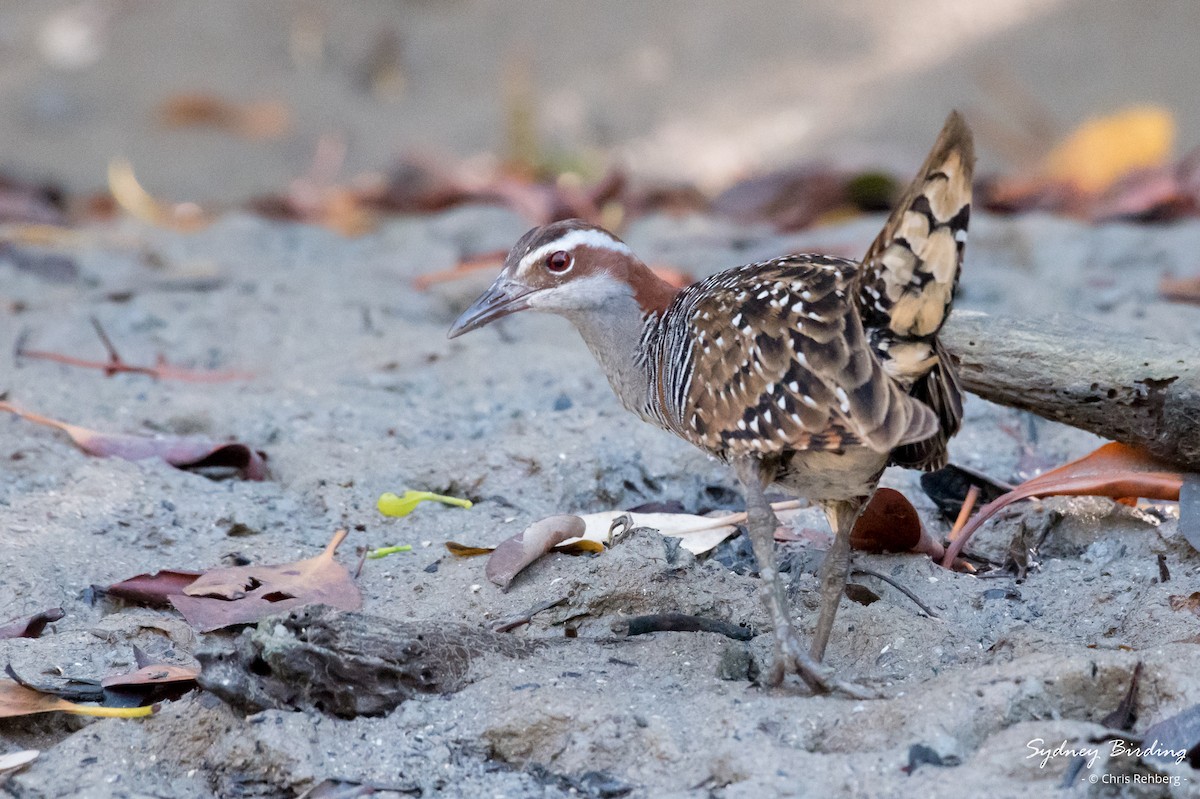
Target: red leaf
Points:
(1114, 470)
(31, 627)
(153, 589)
(184, 452)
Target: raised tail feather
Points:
(907, 282)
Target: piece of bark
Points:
(346, 663)
(1139, 391)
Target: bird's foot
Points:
(791, 655)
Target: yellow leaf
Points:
(1102, 150)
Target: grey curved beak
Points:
(503, 298)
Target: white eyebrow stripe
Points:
(575, 238)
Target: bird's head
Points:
(566, 268)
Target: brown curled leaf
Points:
(580, 547)
(157, 674)
(153, 589)
(152, 682)
(1191, 602)
(514, 554)
(31, 627)
(1114, 470)
(890, 523)
(244, 594)
(466, 550)
(183, 452)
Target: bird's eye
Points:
(559, 262)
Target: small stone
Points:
(737, 664)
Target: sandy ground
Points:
(356, 391)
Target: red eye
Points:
(559, 261)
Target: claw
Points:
(792, 656)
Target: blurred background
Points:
(220, 100)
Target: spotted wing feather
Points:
(772, 357)
(908, 280)
(910, 271)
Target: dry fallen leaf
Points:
(1125, 715)
(1190, 602)
(1180, 289)
(1104, 149)
(890, 523)
(697, 534)
(577, 547)
(1114, 470)
(31, 627)
(17, 700)
(245, 594)
(140, 204)
(153, 589)
(12, 761)
(184, 452)
(150, 683)
(515, 553)
(466, 550)
(262, 119)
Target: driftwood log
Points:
(1135, 390)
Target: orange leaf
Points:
(1180, 289)
(1114, 470)
(1104, 149)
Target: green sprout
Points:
(392, 505)
(383, 552)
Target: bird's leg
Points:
(835, 569)
(790, 653)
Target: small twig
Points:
(964, 512)
(527, 616)
(680, 622)
(115, 365)
(113, 356)
(871, 573)
(738, 518)
(468, 266)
